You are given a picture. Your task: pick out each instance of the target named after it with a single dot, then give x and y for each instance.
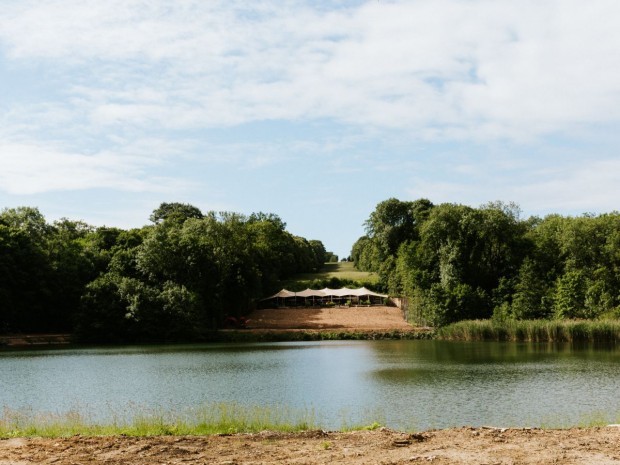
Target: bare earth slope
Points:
(346, 319)
(454, 446)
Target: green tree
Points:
(103, 315)
(531, 298)
(570, 295)
(463, 263)
(394, 222)
(175, 211)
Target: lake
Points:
(403, 384)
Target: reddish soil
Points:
(32, 340)
(464, 446)
(339, 318)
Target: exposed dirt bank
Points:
(34, 340)
(375, 322)
(345, 319)
(453, 446)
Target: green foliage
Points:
(180, 277)
(333, 275)
(331, 257)
(394, 222)
(531, 296)
(186, 277)
(43, 271)
(570, 296)
(174, 280)
(455, 262)
(175, 212)
(103, 315)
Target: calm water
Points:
(404, 384)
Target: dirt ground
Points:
(343, 319)
(600, 446)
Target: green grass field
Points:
(344, 271)
(340, 270)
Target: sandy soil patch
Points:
(346, 319)
(453, 446)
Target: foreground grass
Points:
(209, 419)
(214, 419)
(533, 331)
(588, 420)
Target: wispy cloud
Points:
(446, 68)
(574, 187)
(198, 100)
(32, 169)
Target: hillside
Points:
(344, 271)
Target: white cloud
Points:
(33, 169)
(446, 68)
(573, 188)
(588, 186)
(128, 86)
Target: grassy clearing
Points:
(533, 331)
(343, 271)
(209, 419)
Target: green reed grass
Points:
(586, 420)
(533, 330)
(208, 419)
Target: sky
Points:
(313, 110)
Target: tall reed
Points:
(533, 330)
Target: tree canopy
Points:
(182, 275)
(455, 262)
(174, 279)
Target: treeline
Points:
(454, 262)
(174, 279)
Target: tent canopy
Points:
(327, 292)
(283, 294)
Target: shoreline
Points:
(35, 341)
(294, 335)
(565, 331)
(463, 445)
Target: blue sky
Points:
(315, 111)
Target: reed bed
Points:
(533, 331)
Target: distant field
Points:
(340, 270)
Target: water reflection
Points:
(451, 383)
(404, 383)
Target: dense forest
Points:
(455, 262)
(183, 274)
(174, 279)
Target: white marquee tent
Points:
(322, 296)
